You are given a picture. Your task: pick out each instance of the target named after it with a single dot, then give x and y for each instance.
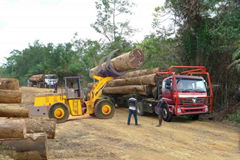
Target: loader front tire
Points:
(104, 109)
(60, 112)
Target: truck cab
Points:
(185, 93)
(50, 80)
(188, 96)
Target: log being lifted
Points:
(13, 111)
(37, 125)
(141, 80)
(9, 84)
(12, 128)
(33, 147)
(127, 61)
(138, 73)
(10, 96)
(131, 89)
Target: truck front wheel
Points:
(167, 116)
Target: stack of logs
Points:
(22, 137)
(9, 91)
(141, 82)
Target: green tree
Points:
(109, 21)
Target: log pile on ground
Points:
(9, 91)
(25, 139)
(7, 110)
(21, 137)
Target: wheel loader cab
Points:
(73, 87)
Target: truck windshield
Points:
(191, 85)
(50, 76)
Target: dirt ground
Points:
(87, 138)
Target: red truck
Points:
(188, 92)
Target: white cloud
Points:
(24, 21)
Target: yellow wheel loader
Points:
(73, 102)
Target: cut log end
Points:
(12, 128)
(34, 146)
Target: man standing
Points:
(160, 113)
(132, 103)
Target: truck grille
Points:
(198, 100)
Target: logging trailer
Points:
(178, 90)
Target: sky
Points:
(24, 21)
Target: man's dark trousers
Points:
(134, 113)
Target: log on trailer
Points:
(36, 78)
(12, 128)
(138, 73)
(33, 147)
(9, 84)
(10, 96)
(130, 89)
(13, 111)
(141, 80)
(127, 61)
(38, 125)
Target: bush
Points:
(235, 116)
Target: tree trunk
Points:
(12, 128)
(131, 89)
(33, 147)
(141, 80)
(47, 126)
(13, 111)
(127, 61)
(9, 84)
(142, 72)
(10, 96)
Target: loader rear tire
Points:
(104, 109)
(60, 112)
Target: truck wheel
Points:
(59, 112)
(167, 116)
(104, 109)
(140, 110)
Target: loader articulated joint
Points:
(109, 70)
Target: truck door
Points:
(167, 90)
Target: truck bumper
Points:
(187, 110)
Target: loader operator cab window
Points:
(72, 87)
